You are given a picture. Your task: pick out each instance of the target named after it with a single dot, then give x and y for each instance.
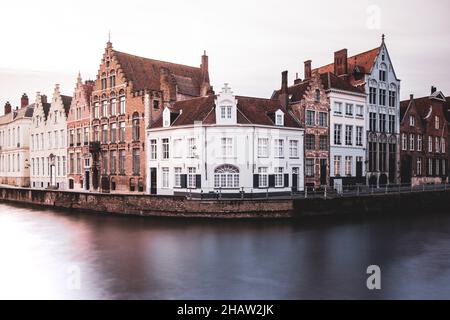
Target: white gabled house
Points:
(225, 144)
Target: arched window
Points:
(135, 126)
(122, 102)
(226, 177)
(112, 79)
(383, 69)
(104, 81)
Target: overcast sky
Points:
(249, 42)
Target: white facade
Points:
(48, 144)
(224, 157)
(348, 137)
(14, 147)
(383, 121)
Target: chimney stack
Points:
(411, 96)
(24, 101)
(44, 98)
(340, 62)
(8, 108)
(308, 69)
(205, 86)
(433, 89)
(284, 82)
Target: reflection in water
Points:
(144, 258)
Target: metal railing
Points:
(321, 193)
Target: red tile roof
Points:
(250, 111)
(145, 73)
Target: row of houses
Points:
(149, 126)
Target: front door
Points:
(295, 176)
(323, 172)
(153, 181)
(359, 169)
(86, 180)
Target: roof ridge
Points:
(156, 60)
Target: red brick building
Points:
(424, 139)
(78, 133)
(129, 94)
(308, 101)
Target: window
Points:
(348, 109)
(136, 126)
(372, 121)
(337, 134)
(310, 118)
(392, 98)
(165, 178)
(430, 167)
(309, 167)
(86, 135)
(177, 148)
(323, 119)
(382, 159)
(337, 108)
(382, 122)
(191, 147)
(78, 163)
(105, 133)
(337, 166)
(442, 145)
(226, 177)
(71, 163)
(391, 124)
(436, 122)
(279, 121)
(279, 177)
(112, 79)
(136, 162)
(122, 105)
(348, 165)
(279, 148)
(79, 136)
(310, 142)
(404, 142)
(156, 104)
(419, 142)
(430, 144)
(372, 95)
(229, 112)
(383, 97)
(263, 147)
(263, 177)
(165, 149)
(122, 162)
(323, 143)
(412, 139)
(412, 121)
(177, 182)
(104, 162)
(360, 111)
(71, 137)
(112, 107)
(104, 108)
(227, 147)
(359, 136)
(96, 110)
(225, 112)
(438, 162)
(293, 148)
(437, 146)
(64, 165)
(419, 166)
(317, 95)
(348, 135)
(153, 149)
(104, 84)
(192, 183)
(112, 162)
(113, 132)
(122, 132)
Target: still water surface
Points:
(46, 254)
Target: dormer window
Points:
(166, 118)
(412, 121)
(226, 110)
(279, 118)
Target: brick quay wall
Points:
(173, 206)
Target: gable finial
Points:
(383, 36)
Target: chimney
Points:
(44, 98)
(340, 62)
(8, 108)
(411, 97)
(205, 86)
(433, 89)
(308, 69)
(284, 95)
(24, 101)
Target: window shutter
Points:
(198, 181)
(286, 180)
(271, 181)
(184, 181)
(256, 181)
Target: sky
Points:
(249, 43)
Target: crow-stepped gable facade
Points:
(130, 93)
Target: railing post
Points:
(220, 193)
(325, 193)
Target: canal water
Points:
(48, 254)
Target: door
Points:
(323, 172)
(295, 176)
(359, 169)
(86, 180)
(153, 181)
